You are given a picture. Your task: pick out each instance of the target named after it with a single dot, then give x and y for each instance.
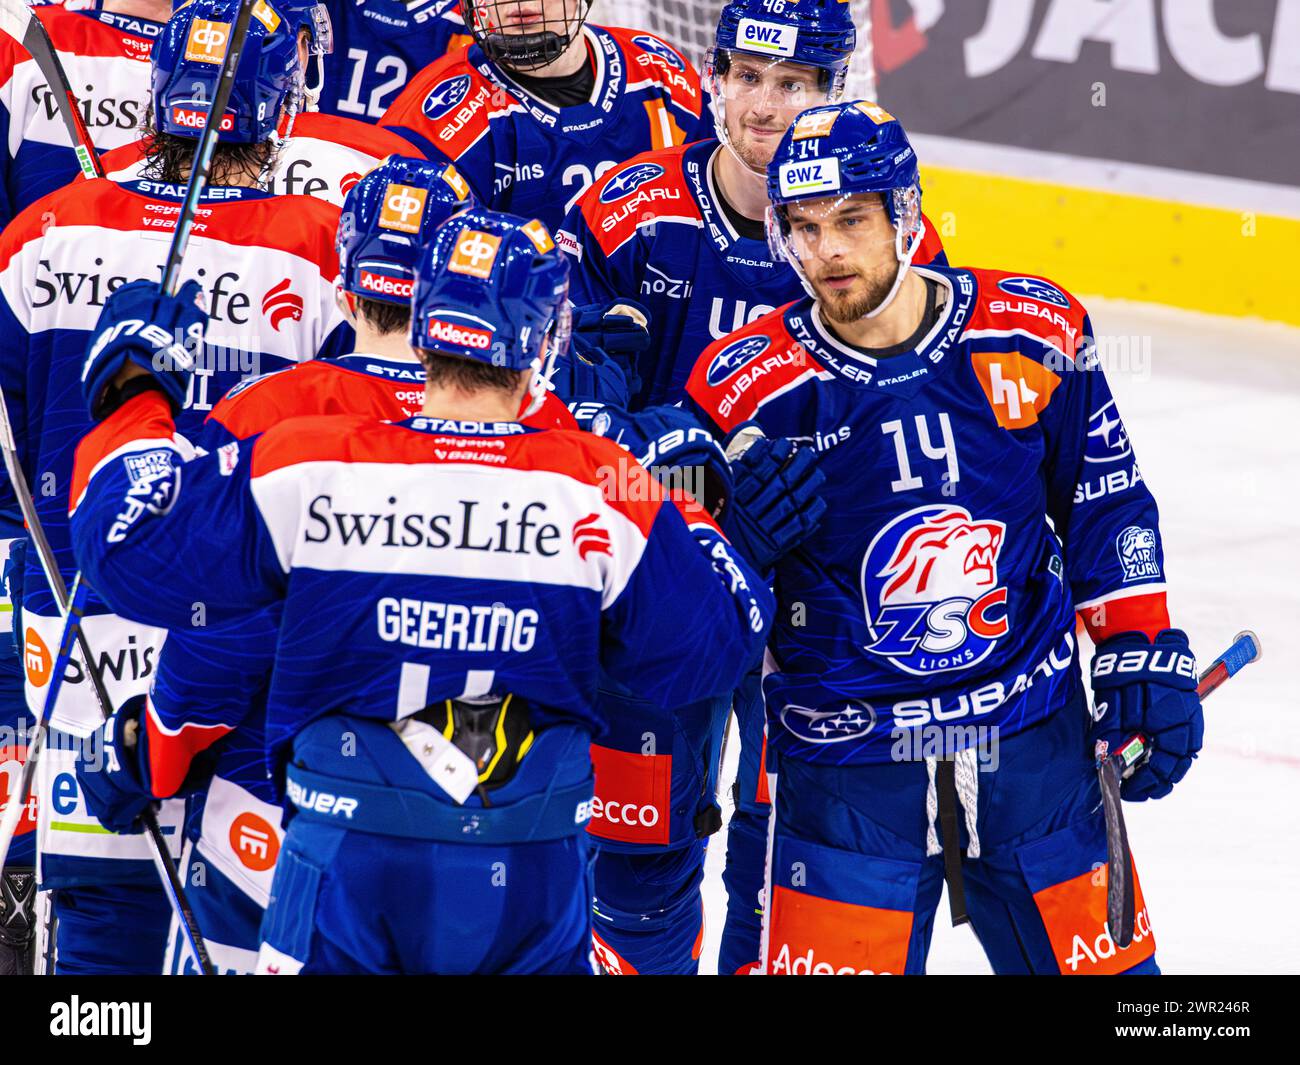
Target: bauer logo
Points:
(930, 590)
(628, 181)
(845, 719)
(875, 112)
(382, 285)
(403, 208)
(1034, 289)
(460, 335)
(732, 357)
(805, 177)
(458, 184)
(814, 124)
(474, 254)
(207, 41)
(656, 47)
(446, 95)
(538, 234)
(766, 38)
(1137, 553)
(196, 118)
(1107, 438)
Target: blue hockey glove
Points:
(159, 333)
(620, 329)
(1146, 710)
(586, 374)
(112, 769)
(775, 505)
(671, 444)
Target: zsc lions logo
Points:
(445, 95)
(931, 592)
(733, 357)
(1035, 289)
(656, 47)
(629, 181)
(1107, 440)
(844, 719)
(1136, 547)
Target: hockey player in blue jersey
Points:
(926, 714)
(380, 46)
(267, 264)
(436, 734)
(542, 104)
(681, 229)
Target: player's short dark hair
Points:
(468, 375)
(384, 317)
(169, 157)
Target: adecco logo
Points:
(632, 795)
(460, 335)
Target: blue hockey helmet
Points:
(832, 153)
(493, 287)
(388, 218)
(187, 64)
(818, 34)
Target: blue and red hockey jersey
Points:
(380, 45)
(652, 230)
(212, 681)
(981, 490)
(450, 559)
(106, 58)
(519, 153)
(267, 266)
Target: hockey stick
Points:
(199, 171)
(20, 22)
(202, 165)
(1113, 766)
(72, 608)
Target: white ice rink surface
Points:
(1212, 406)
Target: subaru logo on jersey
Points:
(446, 95)
(931, 592)
(1137, 553)
(844, 719)
(806, 176)
(629, 181)
(766, 38)
(656, 47)
(1107, 439)
(733, 357)
(1034, 289)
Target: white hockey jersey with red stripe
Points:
(106, 58)
(450, 558)
(324, 156)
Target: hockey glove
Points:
(671, 444)
(1148, 691)
(620, 329)
(586, 374)
(161, 334)
(776, 505)
(112, 769)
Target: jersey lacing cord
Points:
(966, 776)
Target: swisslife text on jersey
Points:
(523, 155)
(966, 522)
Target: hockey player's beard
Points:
(848, 305)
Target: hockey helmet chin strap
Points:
(904, 264)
